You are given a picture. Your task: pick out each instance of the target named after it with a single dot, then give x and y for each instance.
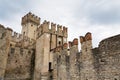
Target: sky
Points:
(100, 17)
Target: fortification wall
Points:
(42, 57)
(16, 39)
(61, 63)
(30, 18)
(20, 40)
(48, 57)
(20, 64)
(65, 65)
(109, 58)
(74, 71)
(87, 70)
(4, 46)
(16, 55)
(55, 29)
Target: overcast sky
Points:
(100, 17)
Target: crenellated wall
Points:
(109, 61)
(61, 63)
(47, 39)
(87, 70)
(59, 30)
(19, 40)
(41, 52)
(74, 71)
(16, 55)
(22, 41)
(30, 18)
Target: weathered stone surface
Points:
(43, 54)
(4, 48)
(19, 64)
(109, 61)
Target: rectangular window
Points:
(50, 66)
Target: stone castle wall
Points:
(101, 63)
(3, 50)
(20, 64)
(55, 29)
(17, 54)
(109, 58)
(50, 57)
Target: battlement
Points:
(45, 27)
(70, 44)
(59, 29)
(65, 45)
(60, 48)
(5, 31)
(55, 29)
(17, 39)
(9, 29)
(21, 40)
(21, 55)
(1, 26)
(85, 38)
(74, 42)
(86, 42)
(65, 31)
(30, 18)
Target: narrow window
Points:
(50, 66)
(59, 43)
(115, 79)
(10, 44)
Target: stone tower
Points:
(87, 61)
(29, 24)
(5, 35)
(73, 59)
(46, 40)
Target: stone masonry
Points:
(42, 52)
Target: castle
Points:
(42, 53)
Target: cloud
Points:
(12, 11)
(9, 7)
(100, 11)
(100, 17)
